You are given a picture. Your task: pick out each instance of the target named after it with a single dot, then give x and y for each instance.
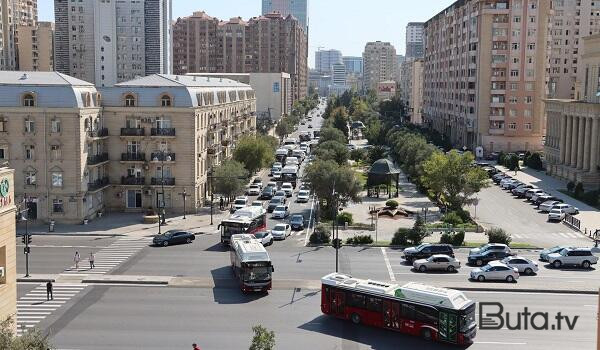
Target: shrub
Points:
(360, 239)
(454, 238)
(498, 235)
(418, 232)
(579, 191)
(401, 237)
(592, 198)
(391, 204)
(501, 158)
(465, 216)
(535, 161)
(570, 186)
(358, 155)
(446, 238)
(452, 218)
(321, 235)
(344, 217)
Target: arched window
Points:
(28, 100)
(165, 101)
(129, 101)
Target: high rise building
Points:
(401, 59)
(415, 42)
(296, 8)
(14, 14)
(354, 64)
(266, 44)
(325, 59)
(106, 42)
(572, 20)
(411, 89)
(36, 47)
(380, 63)
(485, 73)
(338, 74)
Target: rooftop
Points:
(40, 79)
(162, 80)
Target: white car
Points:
(581, 257)
(253, 190)
(259, 204)
(533, 191)
(567, 208)
(495, 270)
(536, 195)
(506, 181)
(281, 231)
(287, 188)
(303, 196)
(265, 237)
(239, 203)
(276, 174)
(547, 206)
(556, 215)
(523, 265)
(437, 262)
(272, 184)
(280, 193)
(281, 212)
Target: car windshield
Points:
(240, 202)
(279, 227)
(275, 201)
(297, 218)
(260, 235)
(280, 208)
(421, 246)
(564, 252)
(486, 268)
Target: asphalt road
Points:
(173, 318)
(498, 208)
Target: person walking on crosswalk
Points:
(49, 295)
(91, 258)
(77, 259)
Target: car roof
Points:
(496, 263)
(280, 225)
(441, 256)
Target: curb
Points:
(147, 282)
(34, 280)
(74, 234)
(525, 290)
(402, 247)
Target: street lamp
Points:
(184, 195)
(24, 216)
(161, 205)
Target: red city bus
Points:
(430, 312)
(251, 263)
(247, 220)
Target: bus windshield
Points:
(467, 319)
(230, 228)
(257, 274)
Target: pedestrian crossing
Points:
(566, 235)
(109, 257)
(34, 306)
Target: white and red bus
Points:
(251, 263)
(433, 313)
(246, 220)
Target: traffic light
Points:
(23, 238)
(28, 239)
(337, 243)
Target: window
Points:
(165, 101)
(514, 73)
(514, 86)
(29, 151)
(527, 113)
(529, 99)
(57, 179)
(356, 300)
(408, 311)
(28, 100)
(3, 152)
(29, 125)
(55, 125)
(55, 152)
(374, 304)
(129, 101)
(512, 126)
(57, 206)
(30, 177)
(3, 124)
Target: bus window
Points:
(357, 300)
(374, 304)
(426, 314)
(408, 312)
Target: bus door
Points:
(391, 314)
(448, 326)
(338, 302)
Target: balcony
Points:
(159, 181)
(162, 157)
(133, 157)
(97, 158)
(162, 132)
(98, 184)
(133, 180)
(496, 131)
(99, 133)
(133, 132)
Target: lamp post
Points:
(161, 204)
(184, 195)
(24, 216)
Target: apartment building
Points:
(411, 89)
(266, 44)
(8, 247)
(400, 61)
(572, 20)
(296, 8)
(36, 47)
(325, 59)
(415, 42)
(485, 73)
(573, 126)
(13, 15)
(106, 42)
(380, 63)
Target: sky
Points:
(345, 25)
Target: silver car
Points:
(437, 262)
(495, 270)
(523, 265)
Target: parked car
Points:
(172, 237)
(281, 212)
(499, 177)
(541, 199)
(512, 184)
(581, 257)
(532, 195)
(523, 265)
(267, 193)
(497, 247)
(287, 188)
(480, 259)
(239, 203)
(259, 204)
(276, 174)
(274, 203)
(495, 270)
(303, 196)
(505, 182)
(556, 249)
(567, 208)
(297, 222)
(437, 262)
(520, 190)
(426, 250)
(281, 231)
(556, 214)
(265, 237)
(547, 206)
(253, 190)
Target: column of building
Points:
(594, 144)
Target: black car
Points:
(297, 222)
(426, 250)
(486, 257)
(173, 237)
(274, 203)
(267, 193)
(541, 199)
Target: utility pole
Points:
(184, 195)
(26, 239)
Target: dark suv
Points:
(480, 259)
(426, 250)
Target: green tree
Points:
(358, 154)
(333, 150)
(254, 152)
(263, 339)
(32, 339)
(512, 162)
(283, 128)
(376, 153)
(229, 178)
(418, 232)
(452, 179)
(339, 120)
(332, 134)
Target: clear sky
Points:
(345, 25)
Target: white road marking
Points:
(310, 220)
(498, 343)
(388, 265)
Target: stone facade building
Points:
(36, 47)
(411, 89)
(8, 248)
(380, 64)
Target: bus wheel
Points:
(355, 318)
(426, 334)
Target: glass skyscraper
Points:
(296, 8)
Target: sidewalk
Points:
(589, 216)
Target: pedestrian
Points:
(195, 347)
(77, 259)
(49, 295)
(221, 203)
(91, 258)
